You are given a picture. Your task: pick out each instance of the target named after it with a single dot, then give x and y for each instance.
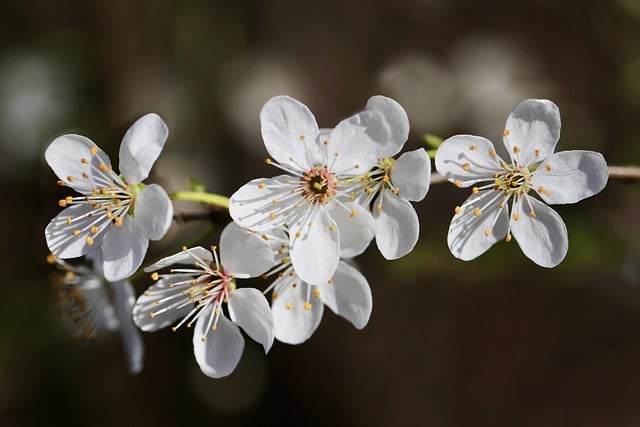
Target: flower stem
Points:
(202, 197)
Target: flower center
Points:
(318, 185)
(512, 180)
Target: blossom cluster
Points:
(336, 191)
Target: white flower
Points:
(297, 306)
(395, 183)
(197, 295)
(530, 137)
(115, 211)
(311, 197)
(93, 303)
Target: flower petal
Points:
(570, 176)
(356, 227)
(256, 205)
(411, 173)
(250, 310)
(161, 304)
(71, 159)
(124, 249)
(532, 131)
(153, 211)
(197, 253)
(294, 323)
(397, 225)
(244, 254)
(60, 232)
(397, 122)
(355, 144)
(480, 223)
(288, 129)
(542, 238)
(123, 300)
(315, 248)
(141, 146)
(217, 351)
(467, 159)
(349, 295)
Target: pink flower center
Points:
(318, 185)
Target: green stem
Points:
(202, 197)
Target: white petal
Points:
(467, 159)
(532, 131)
(161, 305)
(356, 227)
(349, 295)
(356, 143)
(70, 156)
(252, 206)
(244, 254)
(570, 176)
(397, 225)
(316, 251)
(412, 174)
(123, 300)
(141, 146)
(153, 211)
(293, 322)
(189, 256)
(397, 122)
(250, 310)
(59, 234)
(543, 239)
(471, 235)
(124, 249)
(219, 354)
(289, 129)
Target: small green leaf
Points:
(432, 141)
(196, 185)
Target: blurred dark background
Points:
(493, 342)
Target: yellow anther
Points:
(301, 137)
(289, 306)
(548, 168)
(84, 161)
(272, 215)
(477, 212)
(487, 232)
(457, 183)
(508, 238)
(294, 285)
(316, 292)
(152, 315)
(268, 161)
(536, 152)
(68, 199)
(103, 191)
(274, 201)
(155, 275)
(516, 149)
(532, 214)
(213, 248)
(109, 215)
(516, 216)
(117, 221)
(492, 153)
(475, 190)
(297, 234)
(75, 232)
(473, 147)
(357, 166)
(332, 228)
(213, 328)
(70, 178)
(501, 205)
(103, 167)
(60, 183)
(457, 210)
(274, 295)
(352, 196)
(265, 237)
(307, 306)
(62, 203)
(94, 229)
(330, 281)
(379, 207)
(261, 185)
(51, 259)
(396, 190)
(68, 220)
(506, 132)
(325, 142)
(353, 213)
(89, 240)
(85, 175)
(385, 178)
(466, 166)
(203, 339)
(94, 150)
